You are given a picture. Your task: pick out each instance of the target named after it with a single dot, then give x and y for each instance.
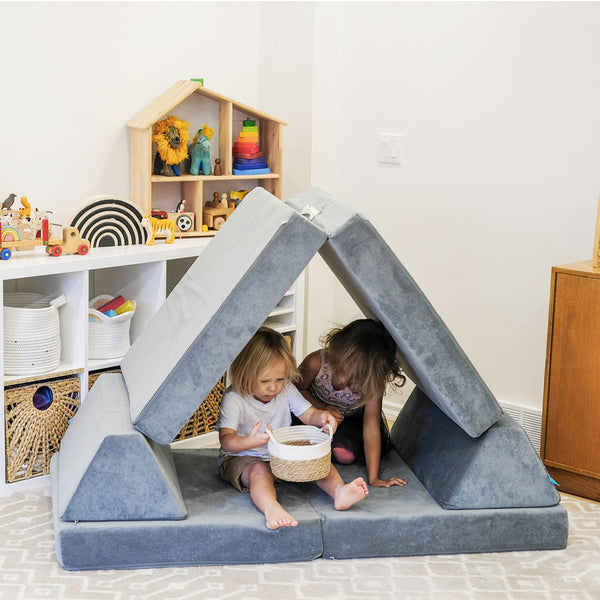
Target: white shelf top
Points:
(34, 263)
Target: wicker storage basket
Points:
(36, 417)
(204, 420)
(300, 453)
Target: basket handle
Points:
(271, 435)
(58, 301)
(330, 431)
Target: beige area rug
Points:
(29, 571)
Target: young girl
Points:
(262, 395)
(348, 378)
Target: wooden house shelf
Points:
(190, 101)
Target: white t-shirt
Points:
(242, 413)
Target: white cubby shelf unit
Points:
(146, 274)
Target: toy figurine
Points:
(10, 199)
(238, 195)
(170, 136)
(218, 167)
(200, 151)
(155, 226)
(25, 211)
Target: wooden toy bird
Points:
(9, 201)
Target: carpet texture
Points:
(29, 570)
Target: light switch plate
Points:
(390, 148)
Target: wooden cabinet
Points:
(570, 445)
(193, 103)
(141, 273)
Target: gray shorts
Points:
(233, 467)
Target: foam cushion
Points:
(214, 310)
(223, 527)
(407, 521)
(397, 521)
(110, 471)
(384, 290)
(500, 469)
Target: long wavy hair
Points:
(366, 353)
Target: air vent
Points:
(530, 420)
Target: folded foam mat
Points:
(214, 310)
(383, 289)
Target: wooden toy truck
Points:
(71, 242)
(214, 218)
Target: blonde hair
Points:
(367, 354)
(265, 346)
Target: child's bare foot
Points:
(277, 517)
(349, 494)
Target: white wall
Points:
(498, 106)
(74, 73)
(497, 102)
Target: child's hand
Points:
(388, 482)
(256, 437)
(327, 419)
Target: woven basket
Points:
(31, 333)
(204, 420)
(36, 418)
(300, 453)
(108, 336)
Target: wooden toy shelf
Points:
(190, 101)
(146, 274)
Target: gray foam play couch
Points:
(122, 498)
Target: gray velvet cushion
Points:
(407, 521)
(383, 289)
(107, 469)
(223, 527)
(214, 310)
(500, 469)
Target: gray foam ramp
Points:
(108, 470)
(499, 469)
(383, 289)
(214, 310)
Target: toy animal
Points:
(200, 151)
(9, 201)
(171, 137)
(238, 195)
(157, 226)
(25, 211)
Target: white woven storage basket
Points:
(300, 453)
(32, 342)
(108, 336)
